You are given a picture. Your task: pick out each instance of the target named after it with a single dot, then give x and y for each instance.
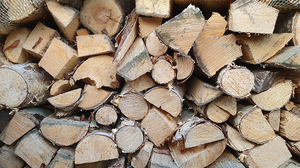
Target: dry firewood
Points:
(98, 71)
(159, 125)
(64, 131)
(118, 163)
(201, 92)
(159, 9)
(93, 97)
(63, 158)
(236, 81)
(252, 124)
(275, 97)
(4, 60)
(262, 156)
(148, 25)
(180, 32)
(23, 85)
(136, 61)
(22, 122)
(66, 19)
(59, 59)
(141, 83)
(212, 53)
(102, 17)
(94, 147)
(161, 158)
(286, 58)
(227, 159)
(289, 125)
(294, 147)
(39, 40)
(274, 119)
(242, 17)
(253, 52)
(291, 163)
(162, 71)
(82, 32)
(141, 159)
(88, 45)
(200, 156)
(169, 100)
(154, 46)
(8, 159)
(61, 86)
(35, 150)
(214, 26)
(13, 46)
(106, 115)
(184, 66)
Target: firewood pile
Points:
(145, 83)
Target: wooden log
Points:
(4, 60)
(163, 71)
(8, 159)
(64, 131)
(158, 125)
(82, 32)
(263, 155)
(161, 158)
(23, 85)
(201, 92)
(60, 86)
(289, 125)
(98, 71)
(59, 59)
(66, 18)
(96, 146)
(227, 159)
(242, 17)
(148, 25)
(141, 83)
(106, 115)
(214, 26)
(251, 46)
(142, 158)
(39, 40)
(22, 122)
(63, 158)
(184, 66)
(154, 46)
(236, 81)
(275, 97)
(35, 150)
(252, 124)
(286, 58)
(174, 34)
(102, 17)
(294, 147)
(161, 9)
(212, 53)
(274, 119)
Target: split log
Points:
(163, 71)
(142, 158)
(158, 125)
(253, 52)
(66, 18)
(242, 17)
(59, 59)
(35, 150)
(98, 71)
(23, 85)
(286, 58)
(148, 25)
(63, 158)
(61, 86)
(39, 40)
(161, 158)
(227, 159)
(96, 146)
(180, 32)
(8, 159)
(161, 9)
(136, 61)
(236, 81)
(97, 44)
(22, 122)
(201, 92)
(154, 46)
(82, 32)
(275, 97)
(214, 26)
(294, 147)
(274, 119)
(184, 66)
(101, 16)
(106, 115)
(4, 60)
(212, 53)
(64, 131)
(141, 83)
(289, 125)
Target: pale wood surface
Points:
(160, 9)
(236, 141)
(227, 159)
(141, 158)
(106, 115)
(64, 158)
(154, 46)
(148, 25)
(141, 83)
(289, 125)
(60, 86)
(184, 66)
(163, 71)
(214, 26)
(8, 159)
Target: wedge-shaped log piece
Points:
(22, 122)
(99, 71)
(214, 26)
(243, 18)
(274, 119)
(66, 19)
(97, 44)
(289, 125)
(154, 46)
(275, 97)
(159, 125)
(201, 92)
(141, 158)
(8, 159)
(294, 147)
(161, 158)
(253, 52)
(262, 156)
(136, 62)
(163, 71)
(288, 57)
(39, 40)
(67, 101)
(23, 85)
(64, 131)
(180, 32)
(61, 86)
(96, 146)
(184, 66)
(227, 159)
(200, 156)
(148, 25)
(101, 16)
(212, 53)
(141, 83)
(35, 150)
(159, 9)
(63, 158)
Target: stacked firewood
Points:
(161, 87)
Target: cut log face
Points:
(106, 115)
(41, 150)
(180, 32)
(82, 32)
(289, 125)
(242, 17)
(161, 158)
(101, 16)
(236, 141)
(141, 83)
(275, 97)
(274, 119)
(214, 26)
(63, 158)
(161, 9)
(227, 159)
(287, 58)
(61, 86)
(141, 159)
(99, 71)
(154, 46)
(8, 159)
(148, 25)
(163, 72)
(184, 66)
